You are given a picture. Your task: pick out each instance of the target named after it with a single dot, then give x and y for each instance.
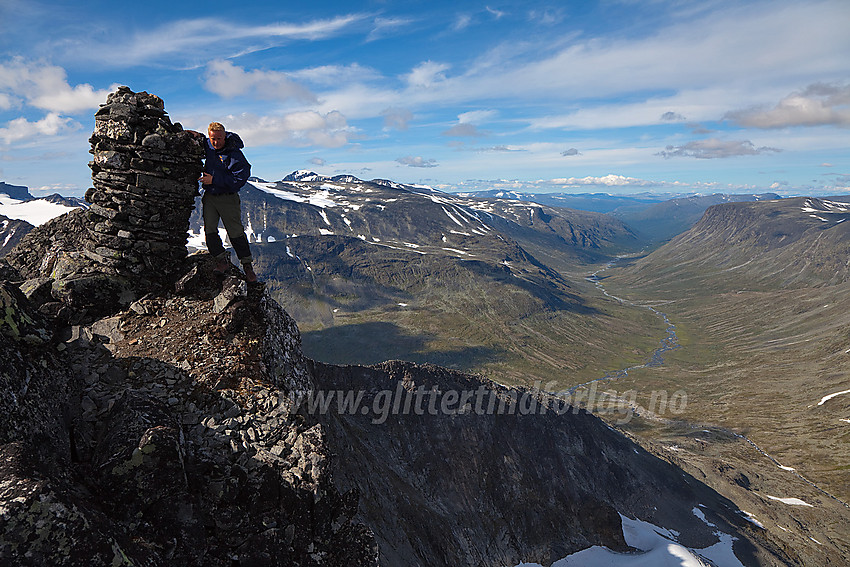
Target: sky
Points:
(615, 96)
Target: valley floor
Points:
(753, 401)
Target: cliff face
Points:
(162, 436)
(456, 470)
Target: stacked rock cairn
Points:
(145, 175)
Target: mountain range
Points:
(184, 426)
(496, 292)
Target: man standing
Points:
(225, 172)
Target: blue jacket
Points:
(228, 166)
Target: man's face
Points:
(216, 139)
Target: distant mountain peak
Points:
(305, 175)
(19, 192)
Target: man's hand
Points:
(206, 179)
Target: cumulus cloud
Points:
(671, 116)
(467, 124)
(464, 130)
(228, 80)
(317, 161)
(417, 161)
(297, 129)
(817, 105)
(609, 180)
(570, 152)
(21, 129)
(427, 74)
(46, 87)
(397, 118)
(6, 101)
(713, 148)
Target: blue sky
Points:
(620, 96)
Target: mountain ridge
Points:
(171, 413)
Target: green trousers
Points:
(228, 209)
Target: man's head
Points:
(216, 133)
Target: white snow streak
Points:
(829, 397)
(790, 501)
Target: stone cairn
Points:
(145, 174)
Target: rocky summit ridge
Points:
(171, 419)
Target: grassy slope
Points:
(516, 326)
(761, 316)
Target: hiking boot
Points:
(250, 276)
(221, 265)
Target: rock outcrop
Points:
(163, 435)
(132, 239)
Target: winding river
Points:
(668, 343)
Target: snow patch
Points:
(35, 212)
(456, 251)
(830, 396)
(790, 501)
(457, 222)
(752, 519)
(658, 548)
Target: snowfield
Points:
(658, 549)
(35, 212)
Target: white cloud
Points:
(464, 130)
(184, 41)
(417, 161)
(548, 17)
(46, 87)
(397, 118)
(476, 116)
(334, 75)
(384, 27)
(462, 22)
(72, 100)
(226, 79)
(707, 104)
(498, 14)
(7, 101)
(733, 46)
(817, 105)
(297, 129)
(22, 129)
(712, 148)
(609, 180)
(427, 74)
